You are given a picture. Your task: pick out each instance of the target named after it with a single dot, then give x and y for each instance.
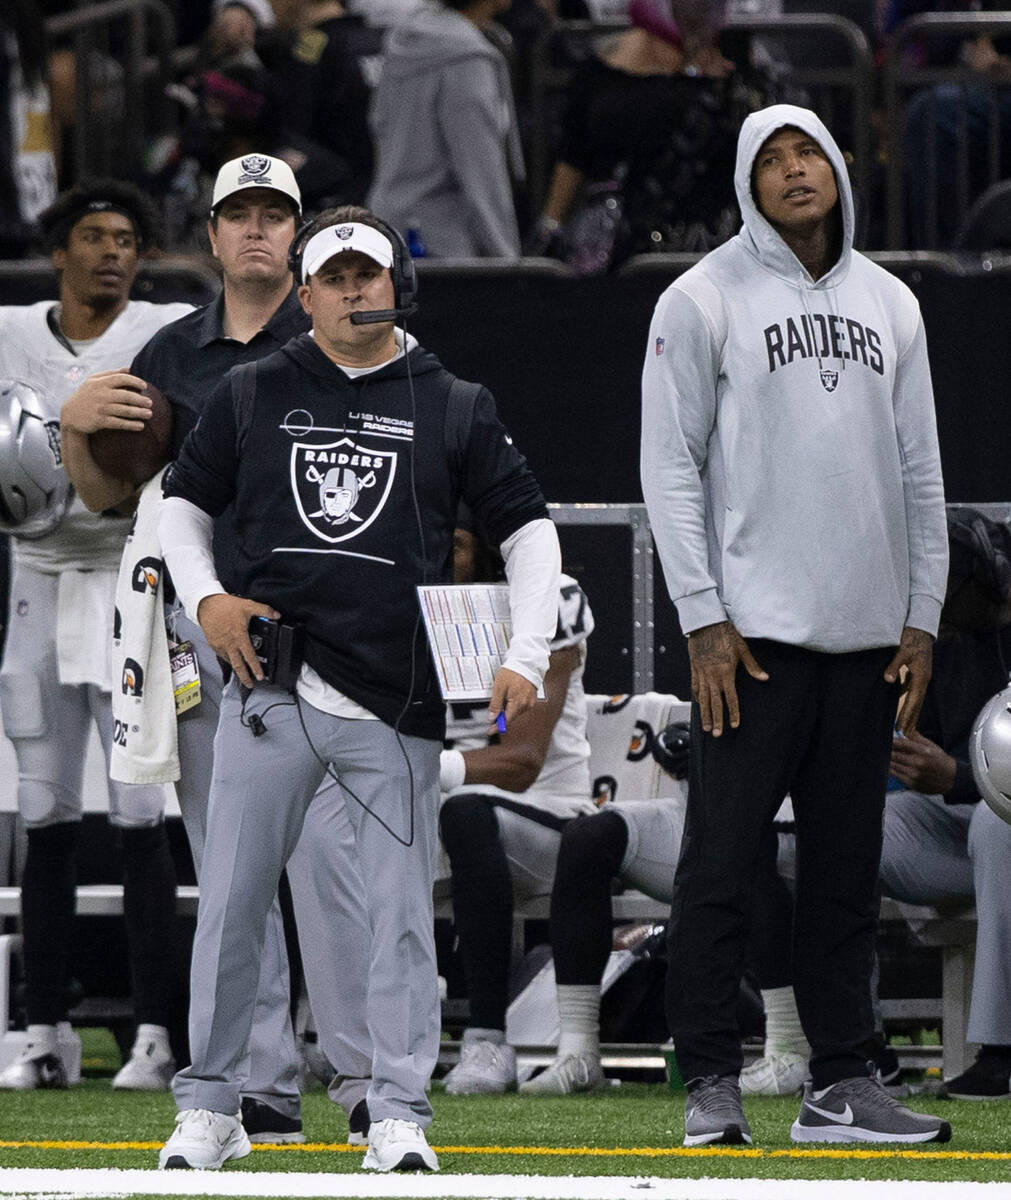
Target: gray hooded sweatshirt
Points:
(789, 449)
(446, 139)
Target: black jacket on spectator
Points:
(321, 93)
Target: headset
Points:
(403, 272)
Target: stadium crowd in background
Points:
(635, 136)
(27, 138)
(649, 132)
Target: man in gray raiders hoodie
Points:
(444, 126)
(791, 473)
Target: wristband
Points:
(452, 770)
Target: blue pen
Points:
(500, 724)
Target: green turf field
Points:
(633, 1129)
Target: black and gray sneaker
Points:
(886, 1067)
(358, 1124)
(266, 1126)
(989, 1078)
(713, 1112)
(860, 1110)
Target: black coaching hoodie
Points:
(346, 493)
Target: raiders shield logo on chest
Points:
(340, 488)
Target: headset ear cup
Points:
(297, 246)
(405, 280)
(407, 289)
(293, 254)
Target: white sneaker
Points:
(38, 1063)
(487, 1068)
(573, 1073)
(204, 1140)
(398, 1146)
(150, 1066)
(775, 1075)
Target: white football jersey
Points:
(30, 352)
(563, 785)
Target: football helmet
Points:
(990, 753)
(672, 749)
(34, 488)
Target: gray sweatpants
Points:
(269, 1071)
(327, 891)
(261, 791)
(935, 852)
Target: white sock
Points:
(152, 1033)
(495, 1036)
(42, 1035)
(578, 1018)
(783, 1031)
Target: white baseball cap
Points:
(339, 239)
(256, 171)
(261, 10)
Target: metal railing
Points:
(633, 517)
(903, 79)
(120, 84)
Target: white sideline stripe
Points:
(51, 1183)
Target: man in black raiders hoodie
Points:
(346, 454)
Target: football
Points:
(136, 454)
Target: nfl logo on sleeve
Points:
(660, 343)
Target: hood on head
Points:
(761, 237)
(433, 36)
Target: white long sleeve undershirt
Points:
(532, 561)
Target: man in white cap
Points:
(365, 706)
(255, 207)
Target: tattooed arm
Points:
(714, 652)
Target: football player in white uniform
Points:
(55, 678)
(505, 804)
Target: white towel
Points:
(84, 601)
(145, 748)
(620, 730)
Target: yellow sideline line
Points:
(567, 1151)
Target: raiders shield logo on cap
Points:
(255, 165)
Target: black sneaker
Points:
(860, 1110)
(989, 1078)
(266, 1126)
(886, 1066)
(358, 1125)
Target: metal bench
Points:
(954, 931)
(93, 900)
